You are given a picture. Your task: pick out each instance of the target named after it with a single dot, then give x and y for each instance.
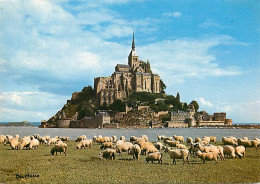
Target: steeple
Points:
(133, 42)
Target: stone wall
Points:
(63, 123)
(177, 125)
(111, 125)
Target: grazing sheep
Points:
(215, 149)
(143, 145)
(53, 140)
(159, 146)
(122, 138)
(94, 138)
(165, 139)
(15, 143)
(181, 146)
(25, 142)
(123, 147)
(108, 154)
(189, 140)
(160, 137)
(207, 156)
(206, 139)
(47, 137)
(42, 140)
(101, 140)
(229, 151)
(157, 156)
(65, 139)
(240, 151)
(178, 138)
(84, 144)
(193, 148)
(145, 137)
(8, 139)
(229, 141)
(114, 138)
(3, 139)
(36, 136)
(197, 139)
(80, 138)
(106, 145)
(61, 147)
(213, 139)
(149, 149)
(34, 144)
(172, 143)
(183, 154)
(137, 139)
(248, 143)
(135, 151)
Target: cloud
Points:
(204, 102)
(173, 14)
(210, 23)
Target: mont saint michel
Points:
(132, 97)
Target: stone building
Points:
(134, 77)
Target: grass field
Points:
(84, 166)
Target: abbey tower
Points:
(137, 76)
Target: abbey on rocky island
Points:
(137, 76)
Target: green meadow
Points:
(84, 166)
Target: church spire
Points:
(133, 42)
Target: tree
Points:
(195, 105)
(163, 86)
(178, 98)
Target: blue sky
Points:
(206, 50)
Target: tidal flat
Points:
(84, 166)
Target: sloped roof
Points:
(123, 66)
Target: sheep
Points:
(65, 139)
(178, 138)
(215, 149)
(15, 143)
(165, 139)
(53, 140)
(206, 139)
(189, 140)
(101, 140)
(172, 143)
(248, 143)
(240, 151)
(183, 154)
(135, 151)
(123, 147)
(149, 149)
(159, 146)
(181, 146)
(143, 145)
(207, 156)
(34, 144)
(8, 139)
(229, 141)
(213, 139)
(3, 139)
(193, 148)
(229, 151)
(36, 136)
(47, 137)
(197, 139)
(145, 138)
(80, 138)
(94, 138)
(106, 145)
(84, 144)
(157, 156)
(160, 137)
(122, 138)
(61, 147)
(114, 138)
(137, 139)
(108, 154)
(25, 142)
(42, 140)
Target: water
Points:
(73, 133)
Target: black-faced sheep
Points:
(65, 139)
(61, 147)
(108, 154)
(183, 154)
(240, 151)
(80, 138)
(189, 140)
(197, 139)
(122, 138)
(135, 151)
(157, 156)
(159, 146)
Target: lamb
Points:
(61, 147)
(207, 156)
(160, 137)
(183, 154)
(172, 143)
(189, 140)
(65, 139)
(181, 146)
(178, 138)
(157, 156)
(84, 144)
(135, 151)
(122, 138)
(34, 144)
(123, 147)
(149, 149)
(25, 142)
(80, 138)
(106, 145)
(108, 154)
(15, 143)
(197, 139)
(240, 151)
(229, 151)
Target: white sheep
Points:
(160, 137)
(123, 147)
(80, 138)
(47, 137)
(211, 148)
(122, 138)
(150, 149)
(106, 145)
(15, 143)
(229, 151)
(84, 144)
(206, 139)
(165, 139)
(172, 143)
(207, 156)
(240, 151)
(178, 138)
(61, 147)
(189, 140)
(145, 137)
(34, 144)
(25, 142)
(108, 154)
(229, 141)
(114, 138)
(193, 148)
(53, 140)
(157, 156)
(42, 140)
(183, 154)
(135, 151)
(181, 146)
(197, 139)
(159, 146)
(3, 139)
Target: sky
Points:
(207, 50)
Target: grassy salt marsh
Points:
(83, 166)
